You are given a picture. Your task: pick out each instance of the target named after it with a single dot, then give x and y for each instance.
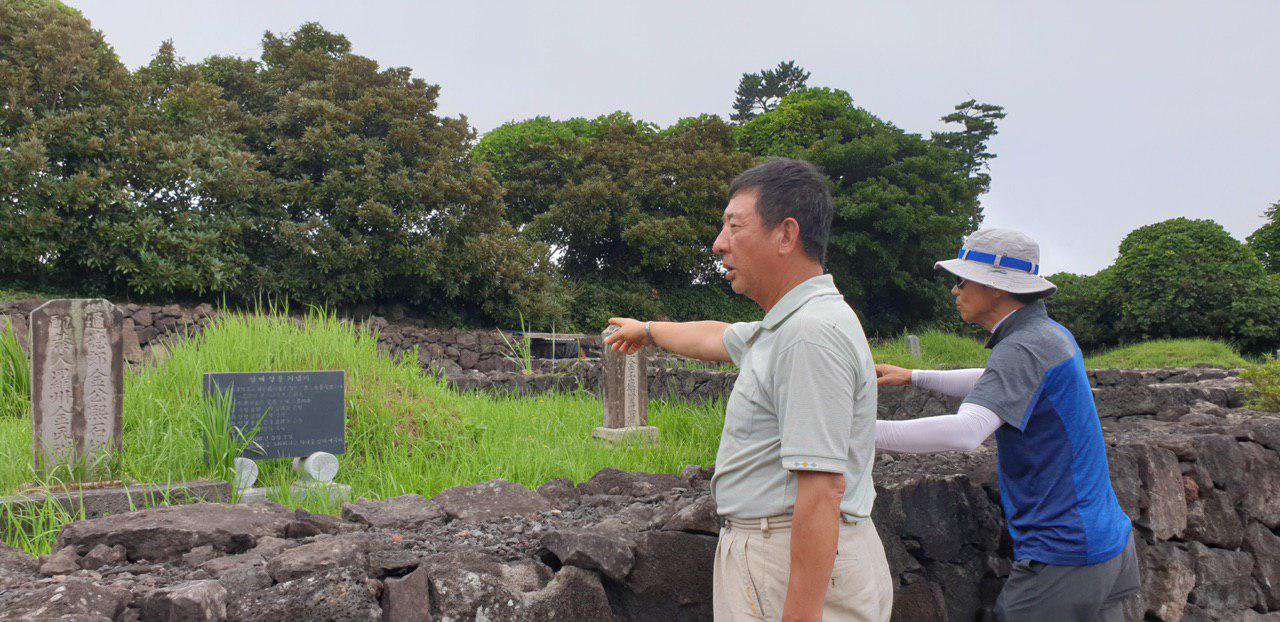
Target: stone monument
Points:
(624, 383)
(77, 381)
(913, 345)
(299, 415)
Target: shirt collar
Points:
(821, 285)
(1017, 319)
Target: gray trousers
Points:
(1039, 592)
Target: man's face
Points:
(974, 301)
(746, 247)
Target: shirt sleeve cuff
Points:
(814, 463)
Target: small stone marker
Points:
(77, 381)
(246, 473)
(296, 413)
(624, 381)
(913, 345)
(320, 467)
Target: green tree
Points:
(901, 201)
(377, 197)
(761, 92)
(979, 122)
(616, 197)
(119, 183)
(1086, 305)
(1190, 278)
(1265, 242)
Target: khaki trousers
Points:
(753, 565)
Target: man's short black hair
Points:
(788, 188)
(1027, 299)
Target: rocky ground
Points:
(1200, 479)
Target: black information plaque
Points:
(300, 412)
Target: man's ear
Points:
(789, 235)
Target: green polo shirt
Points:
(805, 400)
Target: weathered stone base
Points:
(118, 498)
(338, 493)
(627, 436)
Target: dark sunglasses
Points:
(960, 283)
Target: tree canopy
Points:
(902, 201)
(1177, 278)
(312, 174)
(618, 197)
(762, 91)
(1265, 242)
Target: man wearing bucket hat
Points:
(1073, 546)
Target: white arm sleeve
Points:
(963, 431)
(953, 382)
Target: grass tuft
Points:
(15, 375)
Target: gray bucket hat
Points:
(1005, 259)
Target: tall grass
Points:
(15, 374)
(407, 432)
(1264, 384)
(938, 350)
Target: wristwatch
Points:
(647, 332)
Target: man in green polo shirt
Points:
(793, 472)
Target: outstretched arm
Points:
(954, 382)
(963, 431)
(698, 340)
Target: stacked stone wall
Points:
(1204, 495)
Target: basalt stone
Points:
(474, 585)
(611, 481)
(63, 561)
(495, 498)
(560, 492)
(15, 563)
(193, 601)
(1168, 576)
(103, 555)
(407, 598)
(406, 512)
(334, 594)
(1213, 520)
(1260, 500)
(164, 534)
(72, 599)
(671, 579)
(1224, 580)
(307, 524)
(1265, 546)
(698, 477)
(696, 517)
(1222, 459)
(244, 579)
(971, 517)
(611, 555)
(921, 600)
(220, 566)
(572, 594)
(198, 555)
(1150, 488)
(346, 551)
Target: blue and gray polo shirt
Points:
(1054, 482)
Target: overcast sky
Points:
(1121, 114)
